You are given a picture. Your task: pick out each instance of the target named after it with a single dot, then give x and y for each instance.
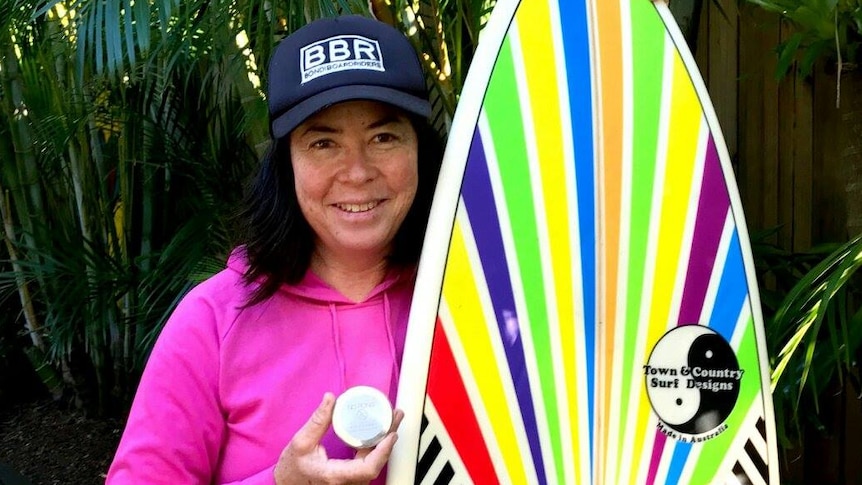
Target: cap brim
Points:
(285, 123)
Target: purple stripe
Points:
(711, 213)
(482, 210)
(657, 449)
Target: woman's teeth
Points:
(357, 207)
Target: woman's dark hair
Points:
(278, 241)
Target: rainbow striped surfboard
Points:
(585, 310)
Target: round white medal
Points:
(362, 416)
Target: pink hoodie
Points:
(226, 388)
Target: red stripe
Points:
(446, 390)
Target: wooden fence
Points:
(798, 160)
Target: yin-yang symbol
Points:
(692, 379)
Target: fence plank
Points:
(723, 47)
(828, 187)
(803, 164)
(786, 161)
(787, 138)
(852, 435)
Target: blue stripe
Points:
(731, 291)
(576, 46)
(730, 298)
(677, 462)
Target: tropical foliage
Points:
(127, 129)
(814, 308)
(823, 29)
(117, 178)
(814, 329)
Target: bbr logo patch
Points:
(339, 53)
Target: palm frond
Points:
(818, 327)
(129, 128)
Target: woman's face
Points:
(355, 165)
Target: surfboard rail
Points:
(429, 278)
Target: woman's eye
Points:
(320, 144)
(384, 137)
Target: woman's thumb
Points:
(312, 431)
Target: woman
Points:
(240, 386)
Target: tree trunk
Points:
(28, 193)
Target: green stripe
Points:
(648, 39)
(715, 450)
(507, 129)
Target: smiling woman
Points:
(240, 385)
(356, 172)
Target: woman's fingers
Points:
(367, 464)
(308, 437)
(305, 461)
(397, 416)
(387, 443)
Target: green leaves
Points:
(122, 165)
(816, 331)
(445, 33)
(127, 130)
(112, 32)
(800, 318)
(824, 29)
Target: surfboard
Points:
(585, 310)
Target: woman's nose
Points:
(358, 166)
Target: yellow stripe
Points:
(464, 303)
(683, 133)
(541, 72)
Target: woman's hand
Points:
(304, 460)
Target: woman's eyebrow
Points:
(323, 128)
(386, 120)
(319, 128)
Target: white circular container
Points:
(362, 416)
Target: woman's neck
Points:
(352, 277)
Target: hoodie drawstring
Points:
(387, 322)
(336, 339)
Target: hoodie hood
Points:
(366, 337)
(313, 288)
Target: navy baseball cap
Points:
(338, 59)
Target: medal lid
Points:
(362, 416)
